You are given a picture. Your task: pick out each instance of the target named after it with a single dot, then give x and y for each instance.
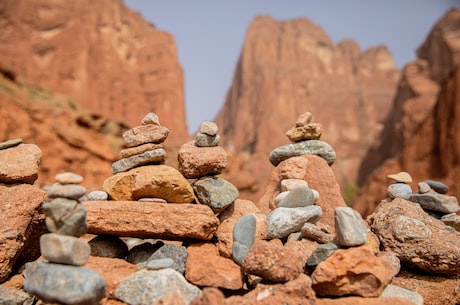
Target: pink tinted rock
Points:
(195, 162)
(318, 175)
(304, 119)
(273, 262)
(143, 134)
(22, 224)
(151, 219)
(312, 131)
(352, 271)
(205, 267)
(19, 164)
(298, 291)
(230, 216)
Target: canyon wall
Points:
(421, 133)
(109, 59)
(287, 68)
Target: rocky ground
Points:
(155, 234)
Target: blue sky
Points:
(209, 34)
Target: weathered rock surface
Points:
(291, 67)
(418, 239)
(195, 162)
(64, 284)
(297, 291)
(273, 262)
(205, 267)
(151, 219)
(22, 224)
(159, 181)
(131, 69)
(319, 177)
(19, 164)
(147, 287)
(352, 271)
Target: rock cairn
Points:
(141, 173)
(305, 136)
(164, 238)
(202, 159)
(64, 251)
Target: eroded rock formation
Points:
(421, 133)
(289, 67)
(106, 57)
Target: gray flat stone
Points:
(97, 195)
(399, 190)
(204, 140)
(177, 253)
(244, 234)
(11, 143)
(299, 196)
(64, 249)
(147, 287)
(393, 291)
(436, 202)
(284, 221)
(350, 227)
(437, 186)
(159, 263)
(68, 178)
(156, 156)
(215, 192)
(70, 191)
(312, 147)
(289, 184)
(65, 216)
(320, 254)
(64, 284)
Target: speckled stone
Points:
(399, 190)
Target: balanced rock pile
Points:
(202, 159)
(159, 241)
(306, 140)
(141, 173)
(61, 278)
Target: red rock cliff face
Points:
(70, 140)
(423, 139)
(290, 67)
(417, 91)
(106, 57)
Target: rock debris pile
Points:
(157, 235)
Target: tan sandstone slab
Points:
(151, 219)
(152, 181)
(19, 164)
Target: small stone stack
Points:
(141, 173)
(64, 251)
(400, 187)
(305, 136)
(144, 145)
(203, 159)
